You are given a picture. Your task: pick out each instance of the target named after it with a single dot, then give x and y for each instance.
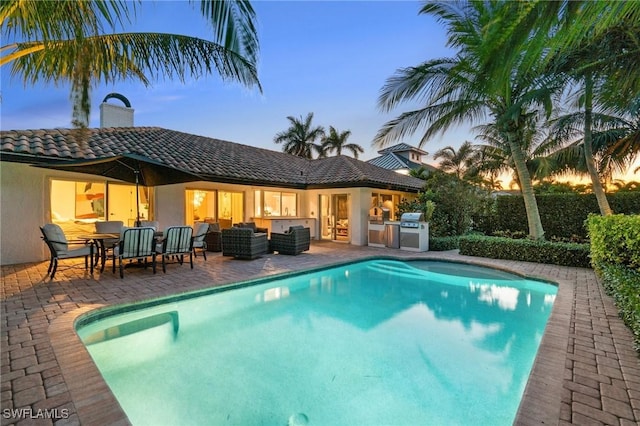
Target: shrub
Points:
(456, 201)
(615, 255)
(566, 254)
(443, 243)
(615, 240)
(623, 285)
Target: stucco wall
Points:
(25, 204)
(21, 213)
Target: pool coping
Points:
(96, 404)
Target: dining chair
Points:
(54, 237)
(151, 224)
(199, 239)
(109, 227)
(177, 242)
(135, 243)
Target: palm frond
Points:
(147, 56)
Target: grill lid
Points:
(412, 217)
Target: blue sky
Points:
(326, 57)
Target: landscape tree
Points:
(596, 44)
(301, 136)
(76, 42)
(458, 162)
(337, 141)
(615, 141)
(455, 92)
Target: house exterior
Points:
(401, 158)
(240, 183)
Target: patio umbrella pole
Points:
(137, 199)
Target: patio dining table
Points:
(100, 240)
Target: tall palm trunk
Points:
(530, 204)
(598, 190)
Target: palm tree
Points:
(299, 139)
(456, 93)
(494, 156)
(595, 43)
(615, 141)
(457, 162)
(570, 22)
(75, 41)
(337, 141)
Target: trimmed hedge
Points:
(444, 243)
(562, 215)
(615, 255)
(623, 285)
(566, 254)
(615, 240)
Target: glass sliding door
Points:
(334, 217)
(200, 205)
(121, 202)
(340, 204)
(230, 208)
(327, 228)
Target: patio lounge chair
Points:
(243, 243)
(58, 245)
(135, 243)
(177, 243)
(294, 241)
(200, 239)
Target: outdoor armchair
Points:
(177, 243)
(294, 241)
(214, 236)
(252, 226)
(243, 243)
(200, 239)
(135, 243)
(58, 245)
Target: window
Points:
(388, 201)
(275, 203)
(77, 201)
(201, 205)
(77, 205)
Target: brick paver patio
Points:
(586, 371)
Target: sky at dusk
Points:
(327, 57)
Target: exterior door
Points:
(230, 208)
(334, 217)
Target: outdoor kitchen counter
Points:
(281, 224)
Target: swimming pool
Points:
(374, 342)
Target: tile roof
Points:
(214, 159)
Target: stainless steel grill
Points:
(411, 219)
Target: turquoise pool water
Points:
(371, 343)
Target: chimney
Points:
(115, 115)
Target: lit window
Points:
(278, 203)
